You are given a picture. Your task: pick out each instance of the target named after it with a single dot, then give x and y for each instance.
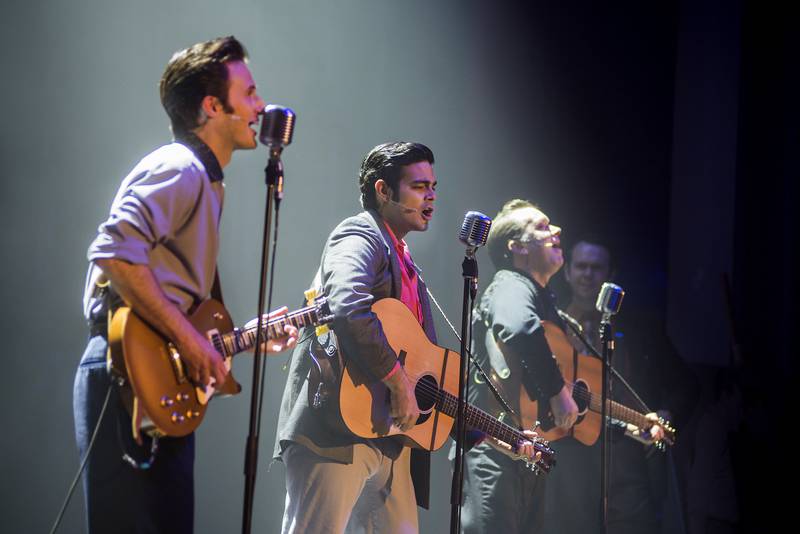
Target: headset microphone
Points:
(405, 208)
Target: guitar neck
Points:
(243, 339)
(619, 411)
(486, 423)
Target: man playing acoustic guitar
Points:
(157, 252)
(509, 342)
(647, 360)
(337, 481)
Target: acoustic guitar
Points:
(365, 403)
(583, 373)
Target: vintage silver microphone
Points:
(609, 300)
(277, 127)
(474, 231)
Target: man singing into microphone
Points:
(335, 480)
(157, 252)
(508, 340)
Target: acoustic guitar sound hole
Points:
(580, 394)
(426, 392)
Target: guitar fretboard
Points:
(243, 339)
(619, 411)
(622, 413)
(485, 422)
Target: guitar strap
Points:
(216, 293)
(493, 386)
(496, 358)
(499, 371)
(216, 289)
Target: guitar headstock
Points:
(669, 434)
(321, 310)
(547, 460)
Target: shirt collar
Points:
(203, 153)
(539, 287)
(399, 244)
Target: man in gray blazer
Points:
(335, 480)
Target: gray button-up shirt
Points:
(165, 215)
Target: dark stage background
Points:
(671, 127)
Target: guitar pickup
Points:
(176, 363)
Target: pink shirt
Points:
(409, 293)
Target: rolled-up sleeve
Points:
(149, 208)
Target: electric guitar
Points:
(365, 404)
(584, 374)
(157, 391)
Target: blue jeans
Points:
(120, 498)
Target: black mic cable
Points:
(83, 462)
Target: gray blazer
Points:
(358, 267)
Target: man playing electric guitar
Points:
(157, 252)
(501, 496)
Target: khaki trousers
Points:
(372, 495)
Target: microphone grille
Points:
(277, 126)
(475, 229)
(610, 298)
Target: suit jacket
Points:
(358, 267)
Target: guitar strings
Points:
(621, 409)
(591, 397)
(441, 396)
(232, 338)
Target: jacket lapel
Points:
(394, 265)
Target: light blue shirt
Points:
(165, 215)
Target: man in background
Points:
(645, 357)
(509, 343)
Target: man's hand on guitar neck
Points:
(525, 451)
(564, 409)
(279, 344)
(651, 435)
(138, 287)
(404, 410)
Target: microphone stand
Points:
(469, 268)
(607, 339)
(274, 180)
